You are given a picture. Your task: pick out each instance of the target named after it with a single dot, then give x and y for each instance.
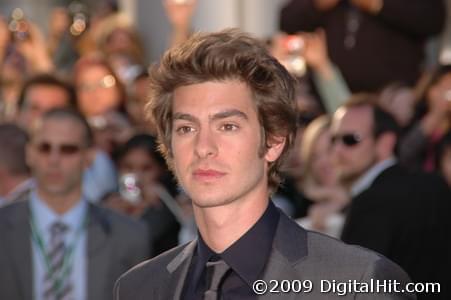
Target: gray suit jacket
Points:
(296, 254)
(114, 244)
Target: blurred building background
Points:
(257, 16)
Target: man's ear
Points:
(276, 146)
(386, 143)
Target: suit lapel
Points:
(98, 254)
(289, 249)
(19, 240)
(178, 269)
(279, 268)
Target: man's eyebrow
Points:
(229, 113)
(220, 115)
(184, 116)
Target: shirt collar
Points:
(367, 179)
(44, 216)
(249, 254)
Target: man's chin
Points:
(56, 190)
(211, 201)
(347, 179)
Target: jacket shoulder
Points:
(340, 260)
(135, 280)
(10, 211)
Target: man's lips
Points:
(54, 176)
(207, 174)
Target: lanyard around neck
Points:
(68, 255)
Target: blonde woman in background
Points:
(319, 181)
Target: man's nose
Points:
(206, 144)
(54, 156)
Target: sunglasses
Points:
(347, 139)
(64, 149)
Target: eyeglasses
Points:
(347, 139)
(64, 149)
(106, 82)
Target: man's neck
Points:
(59, 203)
(367, 178)
(221, 226)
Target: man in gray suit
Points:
(225, 113)
(56, 244)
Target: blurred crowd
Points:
(340, 51)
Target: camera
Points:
(129, 188)
(295, 62)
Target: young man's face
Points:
(215, 144)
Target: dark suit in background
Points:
(114, 244)
(388, 47)
(406, 218)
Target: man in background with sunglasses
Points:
(56, 245)
(401, 215)
(43, 92)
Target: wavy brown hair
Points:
(226, 55)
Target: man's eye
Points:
(229, 127)
(184, 129)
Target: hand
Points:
(34, 50)
(315, 50)
(369, 6)
(278, 48)
(150, 195)
(180, 12)
(5, 36)
(325, 5)
(117, 203)
(59, 22)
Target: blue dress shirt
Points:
(44, 217)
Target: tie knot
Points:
(58, 228)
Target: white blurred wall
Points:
(259, 17)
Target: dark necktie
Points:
(56, 285)
(215, 271)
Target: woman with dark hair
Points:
(98, 88)
(146, 190)
(443, 158)
(418, 147)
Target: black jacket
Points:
(389, 47)
(405, 217)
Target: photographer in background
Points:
(418, 146)
(22, 53)
(146, 191)
(373, 42)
